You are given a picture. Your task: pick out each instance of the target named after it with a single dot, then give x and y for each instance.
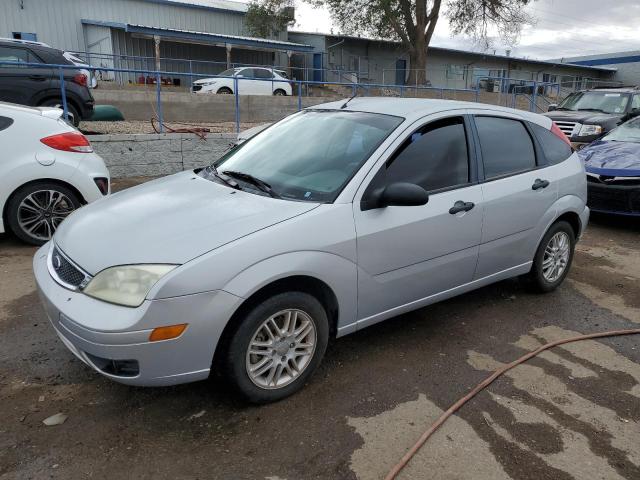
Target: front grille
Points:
(568, 128)
(612, 198)
(65, 272)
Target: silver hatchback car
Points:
(331, 220)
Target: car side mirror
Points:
(552, 107)
(400, 194)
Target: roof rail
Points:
(605, 87)
(24, 42)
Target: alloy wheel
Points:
(281, 349)
(41, 212)
(556, 256)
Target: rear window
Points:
(506, 146)
(555, 149)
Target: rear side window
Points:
(506, 146)
(555, 150)
(13, 54)
(262, 73)
(434, 157)
(5, 122)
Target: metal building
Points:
(348, 58)
(627, 64)
(187, 35)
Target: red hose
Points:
(393, 473)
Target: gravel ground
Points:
(138, 127)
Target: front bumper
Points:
(105, 336)
(617, 199)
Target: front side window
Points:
(434, 157)
(607, 102)
(312, 155)
(13, 54)
(506, 146)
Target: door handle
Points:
(461, 206)
(37, 77)
(539, 183)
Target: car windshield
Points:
(607, 102)
(309, 156)
(627, 132)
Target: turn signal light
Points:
(167, 333)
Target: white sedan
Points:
(250, 81)
(48, 171)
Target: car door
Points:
(518, 193)
(408, 254)
(265, 85)
(246, 84)
(20, 83)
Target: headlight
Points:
(126, 285)
(206, 84)
(589, 130)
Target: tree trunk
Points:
(418, 60)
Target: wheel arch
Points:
(57, 181)
(298, 283)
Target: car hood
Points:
(170, 220)
(596, 118)
(208, 80)
(612, 158)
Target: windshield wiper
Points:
(213, 170)
(261, 184)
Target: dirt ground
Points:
(572, 413)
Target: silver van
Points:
(331, 220)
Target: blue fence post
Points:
(354, 90)
(159, 101)
(191, 74)
(299, 96)
(237, 98)
(478, 92)
(63, 93)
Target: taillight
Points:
(69, 142)
(555, 129)
(80, 79)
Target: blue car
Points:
(613, 170)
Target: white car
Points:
(48, 170)
(250, 80)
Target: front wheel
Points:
(279, 93)
(553, 257)
(35, 211)
(277, 347)
(224, 91)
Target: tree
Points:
(267, 18)
(413, 22)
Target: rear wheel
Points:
(553, 258)
(280, 93)
(35, 211)
(277, 347)
(74, 115)
(224, 91)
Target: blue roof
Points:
(204, 37)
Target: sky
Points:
(563, 28)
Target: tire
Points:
(224, 91)
(36, 210)
(542, 277)
(262, 387)
(280, 93)
(71, 110)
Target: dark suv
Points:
(40, 86)
(586, 115)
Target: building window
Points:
(455, 71)
(25, 36)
